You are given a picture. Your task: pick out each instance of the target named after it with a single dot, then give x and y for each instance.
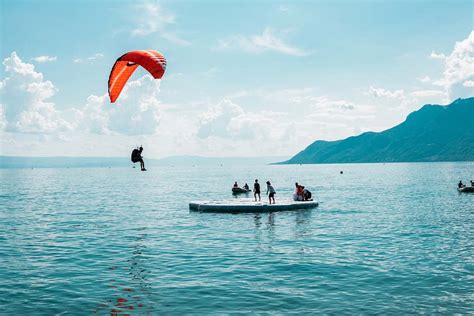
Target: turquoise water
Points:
(391, 239)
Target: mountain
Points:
(433, 133)
(9, 162)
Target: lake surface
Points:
(386, 238)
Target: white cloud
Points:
(24, 107)
(427, 93)
(89, 59)
(424, 79)
(154, 19)
(3, 119)
(383, 93)
(468, 83)
(215, 122)
(405, 102)
(267, 41)
(298, 117)
(435, 55)
(136, 112)
(458, 69)
(45, 59)
(24, 94)
(227, 127)
(96, 56)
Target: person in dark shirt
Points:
(307, 194)
(460, 185)
(137, 157)
(256, 190)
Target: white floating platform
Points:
(249, 206)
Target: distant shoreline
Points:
(22, 162)
(367, 162)
(57, 162)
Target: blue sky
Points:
(244, 78)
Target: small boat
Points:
(240, 190)
(466, 189)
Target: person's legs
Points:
(142, 164)
(255, 196)
(259, 198)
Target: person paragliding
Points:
(137, 157)
(124, 67)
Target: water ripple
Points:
(83, 241)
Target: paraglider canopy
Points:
(154, 62)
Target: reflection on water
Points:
(131, 287)
(265, 227)
(303, 223)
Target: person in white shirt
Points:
(271, 193)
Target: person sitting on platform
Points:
(307, 194)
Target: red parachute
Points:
(124, 67)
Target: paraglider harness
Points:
(136, 155)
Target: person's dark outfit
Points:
(307, 195)
(256, 190)
(137, 157)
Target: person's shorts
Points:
(257, 191)
(272, 194)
